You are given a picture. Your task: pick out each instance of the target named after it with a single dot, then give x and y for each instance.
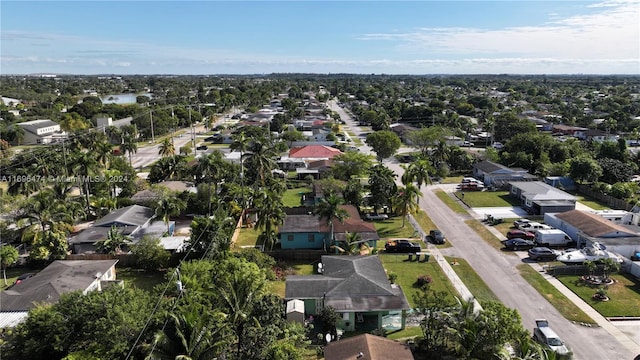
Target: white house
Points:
(42, 131)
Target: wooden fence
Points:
(124, 260)
(609, 200)
(296, 255)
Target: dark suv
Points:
(402, 246)
(436, 236)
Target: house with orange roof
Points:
(314, 152)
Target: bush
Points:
(423, 280)
(393, 277)
(149, 254)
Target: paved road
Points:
(499, 271)
(147, 155)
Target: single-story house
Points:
(498, 175)
(587, 227)
(539, 198)
(61, 276)
(357, 288)
(132, 221)
(567, 130)
(367, 347)
(42, 131)
(314, 152)
(402, 130)
(308, 231)
(598, 135)
(561, 182)
(104, 122)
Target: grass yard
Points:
(451, 203)
(474, 283)
(487, 198)
(392, 228)
(292, 197)
(247, 237)
(427, 224)
(407, 333)
(13, 274)
(452, 180)
(145, 280)
(565, 306)
(356, 139)
(484, 233)
(591, 202)
(278, 286)
(408, 272)
(624, 295)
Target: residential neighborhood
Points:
(262, 212)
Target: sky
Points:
(359, 37)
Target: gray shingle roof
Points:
(135, 215)
(62, 276)
(349, 283)
(489, 167)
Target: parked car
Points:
(497, 145)
(436, 237)
(373, 217)
(542, 253)
(543, 334)
(402, 246)
(467, 144)
(533, 226)
(518, 244)
(519, 222)
(202, 147)
(512, 234)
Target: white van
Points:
(548, 338)
(552, 237)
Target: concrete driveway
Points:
(508, 212)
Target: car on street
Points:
(402, 246)
(202, 147)
(518, 244)
(374, 217)
(467, 144)
(548, 338)
(542, 254)
(497, 145)
(436, 237)
(512, 234)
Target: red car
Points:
(521, 234)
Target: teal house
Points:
(304, 230)
(358, 289)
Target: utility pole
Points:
(153, 137)
(173, 129)
(193, 134)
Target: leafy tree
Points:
(614, 171)
(8, 256)
(329, 317)
(584, 168)
(434, 307)
(150, 254)
(382, 186)
(212, 234)
(508, 125)
(350, 164)
(427, 137)
(384, 143)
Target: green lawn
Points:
(145, 280)
(624, 295)
(427, 224)
(565, 306)
(247, 237)
(487, 198)
(474, 283)
(278, 287)
(452, 180)
(408, 272)
(591, 202)
(356, 139)
(13, 274)
(451, 203)
(480, 229)
(292, 197)
(392, 228)
(407, 333)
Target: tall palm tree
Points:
(270, 216)
(129, 143)
(169, 206)
(329, 209)
(418, 172)
(261, 159)
(406, 201)
(166, 148)
(352, 244)
(113, 243)
(241, 143)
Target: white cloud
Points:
(611, 31)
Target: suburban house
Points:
(150, 196)
(494, 174)
(561, 182)
(133, 221)
(62, 276)
(587, 227)
(369, 347)
(307, 231)
(598, 135)
(313, 152)
(358, 289)
(402, 130)
(539, 198)
(42, 132)
(568, 130)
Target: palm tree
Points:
(609, 266)
(270, 216)
(261, 159)
(84, 166)
(352, 244)
(19, 133)
(129, 144)
(241, 143)
(329, 209)
(166, 148)
(406, 201)
(113, 243)
(169, 206)
(417, 171)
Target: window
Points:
(312, 238)
(289, 237)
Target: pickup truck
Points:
(543, 334)
(402, 246)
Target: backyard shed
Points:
(295, 310)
